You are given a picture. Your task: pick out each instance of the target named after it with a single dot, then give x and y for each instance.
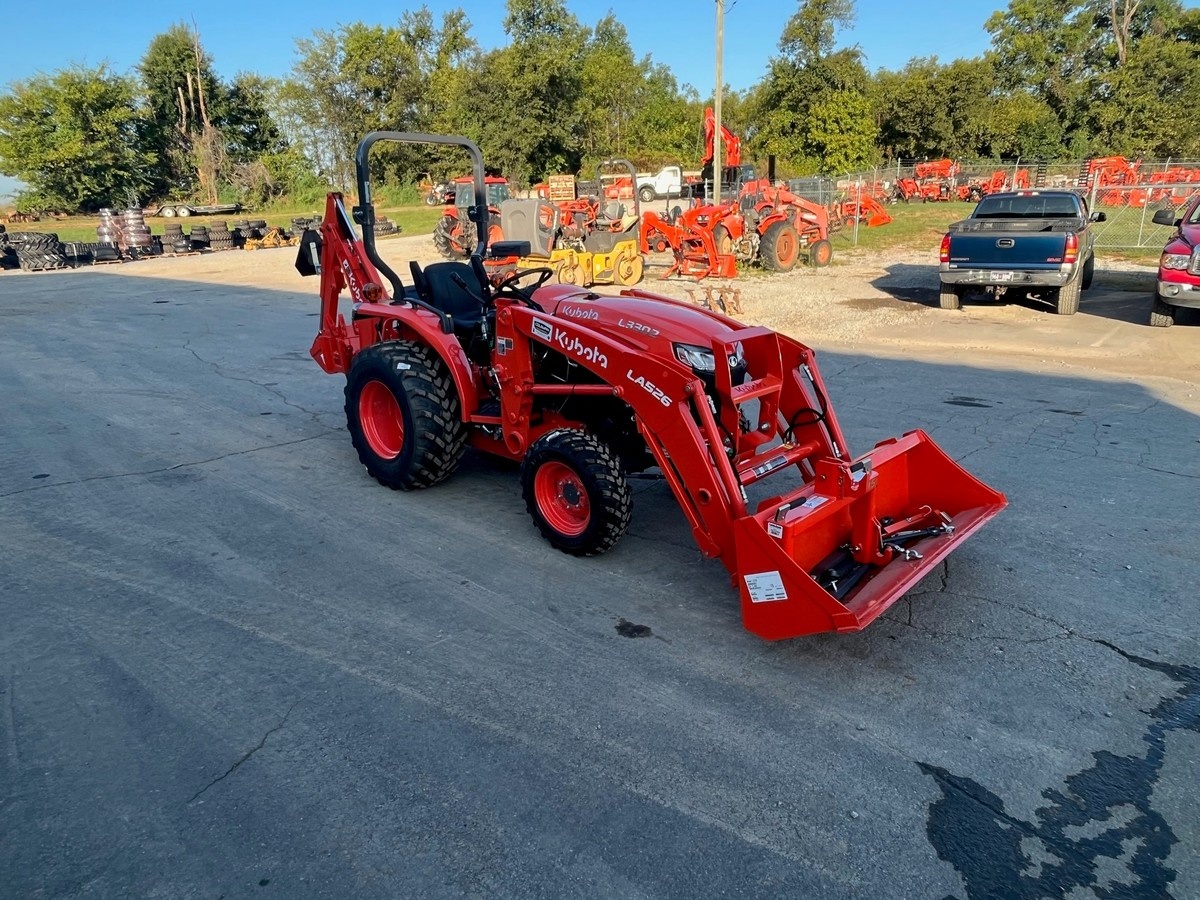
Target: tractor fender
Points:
(423, 327)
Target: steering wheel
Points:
(544, 274)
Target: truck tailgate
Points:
(1010, 250)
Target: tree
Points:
(843, 132)
(75, 138)
(809, 74)
(181, 90)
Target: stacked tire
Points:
(105, 251)
(8, 255)
(109, 229)
(173, 237)
(199, 237)
(219, 236)
(136, 234)
(385, 226)
(36, 251)
(77, 253)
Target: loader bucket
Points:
(836, 553)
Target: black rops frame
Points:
(364, 213)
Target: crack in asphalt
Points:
(217, 370)
(245, 756)
(182, 465)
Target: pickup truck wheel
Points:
(646, 194)
(1162, 315)
(949, 298)
(1066, 301)
(1089, 270)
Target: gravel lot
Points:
(233, 665)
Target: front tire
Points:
(820, 254)
(949, 297)
(404, 415)
(1162, 315)
(576, 492)
(1089, 271)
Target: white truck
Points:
(666, 183)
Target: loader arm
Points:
(830, 553)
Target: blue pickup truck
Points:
(1033, 242)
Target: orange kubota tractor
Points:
(585, 389)
(762, 223)
(454, 235)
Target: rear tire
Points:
(1066, 302)
(443, 239)
(404, 415)
(646, 194)
(168, 212)
(576, 492)
(1162, 315)
(949, 297)
(780, 247)
(183, 212)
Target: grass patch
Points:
(411, 219)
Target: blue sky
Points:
(261, 37)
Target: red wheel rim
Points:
(824, 253)
(382, 421)
(562, 499)
(786, 248)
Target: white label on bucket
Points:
(775, 530)
(765, 586)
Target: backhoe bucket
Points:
(833, 555)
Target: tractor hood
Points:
(649, 325)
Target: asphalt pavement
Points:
(233, 665)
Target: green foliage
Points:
(75, 138)
(1060, 80)
(843, 132)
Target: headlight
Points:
(1175, 260)
(699, 358)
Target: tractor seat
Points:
(438, 285)
(610, 214)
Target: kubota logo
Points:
(351, 281)
(571, 344)
(578, 312)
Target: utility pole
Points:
(717, 105)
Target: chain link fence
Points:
(1128, 192)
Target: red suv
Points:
(1179, 266)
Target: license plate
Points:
(1002, 276)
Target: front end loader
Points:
(584, 390)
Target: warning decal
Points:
(765, 586)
